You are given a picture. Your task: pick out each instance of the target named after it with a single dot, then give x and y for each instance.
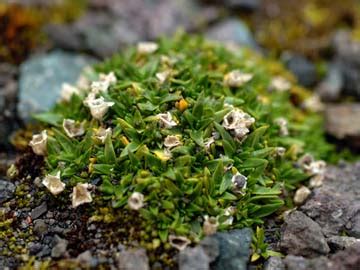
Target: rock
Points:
(40, 227)
(41, 78)
(349, 259)
(330, 88)
(60, 248)
(194, 258)
(234, 249)
(353, 225)
(7, 190)
(86, 259)
(302, 68)
(341, 242)
(329, 210)
(341, 121)
(39, 211)
(232, 30)
(301, 263)
(211, 247)
(133, 259)
(274, 263)
(347, 51)
(246, 5)
(302, 236)
(34, 248)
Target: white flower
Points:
(147, 47)
(83, 82)
(110, 77)
(283, 124)
(179, 242)
(280, 151)
(136, 201)
(163, 76)
(236, 78)
(53, 183)
(81, 194)
(172, 141)
(239, 182)
(301, 195)
(280, 84)
(209, 142)
(229, 212)
(99, 87)
(98, 106)
(67, 90)
(166, 120)
(316, 180)
(310, 166)
(210, 225)
(102, 133)
(73, 129)
(313, 104)
(238, 122)
(163, 155)
(39, 143)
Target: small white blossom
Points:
(98, 107)
(83, 82)
(147, 47)
(179, 242)
(301, 195)
(236, 78)
(280, 151)
(313, 104)
(209, 142)
(81, 194)
(229, 212)
(283, 124)
(102, 133)
(53, 183)
(280, 84)
(99, 87)
(239, 182)
(39, 143)
(163, 76)
(110, 77)
(238, 122)
(136, 201)
(172, 141)
(163, 155)
(67, 90)
(316, 180)
(311, 166)
(210, 225)
(166, 120)
(73, 129)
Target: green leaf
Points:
(49, 118)
(218, 173)
(254, 137)
(225, 183)
(109, 152)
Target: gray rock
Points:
(330, 88)
(301, 263)
(60, 248)
(353, 225)
(274, 263)
(232, 30)
(329, 210)
(34, 248)
(86, 259)
(246, 5)
(40, 227)
(234, 249)
(39, 211)
(133, 259)
(41, 78)
(7, 190)
(341, 121)
(211, 247)
(302, 236)
(341, 242)
(349, 259)
(303, 69)
(193, 258)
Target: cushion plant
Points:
(189, 135)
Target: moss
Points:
(184, 183)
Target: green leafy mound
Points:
(185, 183)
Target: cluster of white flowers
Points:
(238, 122)
(315, 168)
(237, 78)
(283, 124)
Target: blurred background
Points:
(44, 43)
